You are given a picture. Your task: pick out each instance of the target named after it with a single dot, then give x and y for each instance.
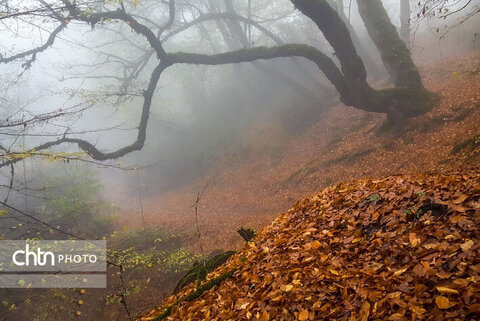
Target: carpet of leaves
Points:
(399, 248)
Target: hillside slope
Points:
(251, 184)
(398, 248)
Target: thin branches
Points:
(33, 52)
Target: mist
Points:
(166, 127)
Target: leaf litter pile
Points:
(399, 248)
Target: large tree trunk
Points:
(374, 69)
(393, 51)
(409, 97)
(243, 41)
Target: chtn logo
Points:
(39, 258)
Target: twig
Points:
(197, 201)
(123, 294)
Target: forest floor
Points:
(396, 239)
(397, 248)
(251, 189)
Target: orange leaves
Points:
(364, 311)
(417, 309)
(445, 290)
(467, 245)
(264, 316)
(241, 304)
(399, 272)
(337, 257)
(414, 240)
(303, 315)
(460, 199)
(313, 245)
(442, 302)
(287, 288)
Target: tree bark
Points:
(373, 69)
(336, 33)
(393, 51)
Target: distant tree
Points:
(405, 21)
(463, 10)
(445, 8)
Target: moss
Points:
(198, 272)
(408, 102)
(349, 158)
(195, 294)
(471, 142)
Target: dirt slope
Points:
(398, 248)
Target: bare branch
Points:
(93, 151)
(33, 52)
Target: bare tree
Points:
(407, 98)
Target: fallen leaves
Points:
(264, 316)
(460, 199)
(445, 290)
(403, 265)
(288, 288)
(442, 302)
(414, 240)
(303, 315)
(467, 245)
(364, 312)
(399, 272)
(313, 245)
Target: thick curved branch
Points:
(324, 63)
(336, 33)
(94, 18)
(93, 151)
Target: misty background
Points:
(201, 113)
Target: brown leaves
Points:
(343, 258)
(313, 245)
(442, 302)
(364, 311)
(303, 315)
(445, 290)
(460, 199)
(264, 316)
(414, 240)
(467, 245)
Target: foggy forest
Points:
(239, 160)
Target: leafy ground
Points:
(252, 186)
(399, 248)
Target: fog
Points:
(94, 77)
(91, 81)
